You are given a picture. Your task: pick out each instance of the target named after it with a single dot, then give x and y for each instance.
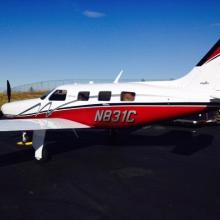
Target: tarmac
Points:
(157, 172)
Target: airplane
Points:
(116, 105)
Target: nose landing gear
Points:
(26, 139)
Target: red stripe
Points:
(145, 114)
(214, 54)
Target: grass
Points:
(16, 96)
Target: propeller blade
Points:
(9, 91)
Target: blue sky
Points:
(89, 39)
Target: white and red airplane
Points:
(117, 105)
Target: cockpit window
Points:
(45, 95)
(58, 95)
(127, 96)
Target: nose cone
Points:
(8, 109)
(13, 109)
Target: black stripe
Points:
(213, 58)
(211, 51)
(29, 109)
(148, 104)
(208, 104)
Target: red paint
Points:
(214, 54)
(145, 114)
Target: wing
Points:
(38, 124)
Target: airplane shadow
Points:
(58, 142)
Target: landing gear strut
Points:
(38, 145)
(26, 137)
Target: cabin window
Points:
(83, 96)
(58, 95)
(104, 96)
(127, 96)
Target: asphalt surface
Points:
(154, 173)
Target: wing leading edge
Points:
(39, 124)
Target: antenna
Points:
(118, 77)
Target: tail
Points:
(206, 73)
(213, 54)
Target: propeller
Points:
(9, 98)
(9, 91)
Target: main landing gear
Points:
(41, 153)
(35, 139)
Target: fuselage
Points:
(113, 105)
(129, 104)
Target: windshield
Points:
(45, 95)
(58, 95)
